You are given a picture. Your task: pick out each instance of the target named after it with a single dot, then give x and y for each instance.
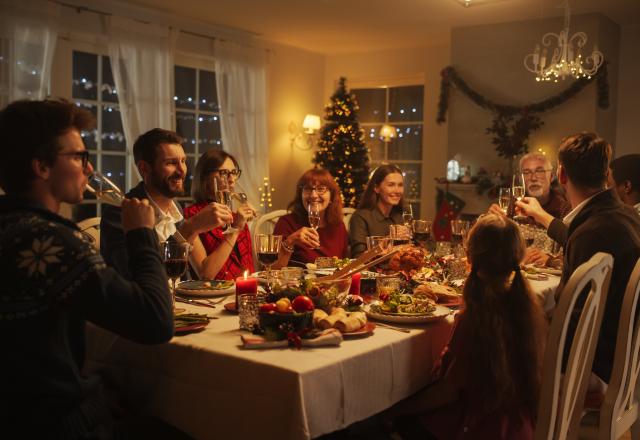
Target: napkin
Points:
(328, 337)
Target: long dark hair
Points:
(508, 321)
(318, 176)
(370, 197)
(210, 161)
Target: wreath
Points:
(512, 125)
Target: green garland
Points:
(512, 124)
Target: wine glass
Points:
(314, 216)
(504, 198)
(223, 195)
(459, 231)
(104, 189)
(407, 215)
(422, 233)
(267, 247)
(175, 256)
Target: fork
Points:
(214, 302)
(194, 302)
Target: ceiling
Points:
(343, 26)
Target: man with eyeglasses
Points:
(162, 163)
(54, 281)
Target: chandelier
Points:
(566, 59)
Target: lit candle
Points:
(245, 284)
(355, 284)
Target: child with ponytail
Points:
(487, 382)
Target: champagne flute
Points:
(175, 256)
(104, 189)
(407, 215)
(267, 247)
(504, 198)
(314, 216)
(222, 195)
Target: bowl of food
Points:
(286, 316)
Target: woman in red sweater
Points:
(231, 252)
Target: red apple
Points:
(302, 303)
(268, 307)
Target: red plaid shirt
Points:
(240, 258)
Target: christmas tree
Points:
(341, 148)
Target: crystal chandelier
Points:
(567, 59)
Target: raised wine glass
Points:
(104, 189)
(407, 215)
(223, 195)
(267, 247)
(504, 198)
(314, 216)
(175, 256)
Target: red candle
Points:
(246, 285)
(355, 284)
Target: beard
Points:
(537, 191)
(168, 186)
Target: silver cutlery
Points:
(391, 327)
(194, 302)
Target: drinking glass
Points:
(314, 216)
(378, 240)
(175, 256)
(528, 233)
(422, 233)
(104, 189)
(267, 247)
(386, 285)
(504, 198)
(223, 195)
(459, 231)
(407, 215)
(400, 234)
(517, 190)
(248, 307)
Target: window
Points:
(402, 108)
(197, 114)
(93, 88)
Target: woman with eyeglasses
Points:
(380, 206)
(230, 254)
(302, 243)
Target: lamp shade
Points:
(311, 123)
(387, 132)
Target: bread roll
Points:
(353, 322)
(337, 313)
(318, 315)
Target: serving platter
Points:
(205, 289)
(438, 314)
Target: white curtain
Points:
(28, 34)
(241, 85)
(142, 64)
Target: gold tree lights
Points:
(341, 147)
(265, 191)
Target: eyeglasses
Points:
(83, 155)
(318, 189)
(227, 173)
(539, 172)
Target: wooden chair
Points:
(619, 411)
(347, 212)
(91, 229)
(562, 395)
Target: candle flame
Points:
(246, 274)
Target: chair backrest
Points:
(91, 229)
(562, 395)
(620, 407)
(264, 225)
(347, 213)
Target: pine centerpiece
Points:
(341, 148)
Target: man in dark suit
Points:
(599, 222)
(161, 161)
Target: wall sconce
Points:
(387, 132)
(310, 125)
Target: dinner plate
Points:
(191, 328)
(543, 270)
(439, 313)
(364, 331)
(204, 288)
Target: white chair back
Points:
(562, 395)
(619, 411)
(264, 225)
(347, 213)
(91, 229)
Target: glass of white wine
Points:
(223, 195)
(517, 191)
(313, 209)
(504, 198)
(407, 215)
(104, 189)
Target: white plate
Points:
(439, 313)
(199, 288)
(544, 270)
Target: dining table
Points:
(209, 386)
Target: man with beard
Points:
(161, 162)
(624, 177)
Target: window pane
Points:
(185, 79)
(186, 127)
(407, 145)
(405, 103)
(114, 168)
(371, 103)
(108, 84)
(85, 75)
(83, 211)
(209, 132)
(412, 179)
(373, 142)
(191, 166)
(112, 131)
(90, 137)
(208, 93)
